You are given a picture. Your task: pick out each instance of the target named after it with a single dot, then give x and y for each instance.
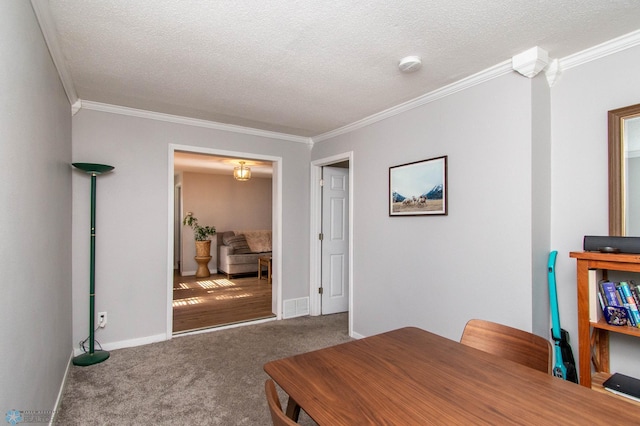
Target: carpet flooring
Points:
(211, 378)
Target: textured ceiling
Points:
(307, 67)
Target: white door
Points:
(335, 240)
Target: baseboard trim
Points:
(63, 386)
(357, 335)
(128, 343)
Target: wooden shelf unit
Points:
(593, 337)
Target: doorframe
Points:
(315, 257)
(276, 224)
(177, 225)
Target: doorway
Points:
(176, 210)
(321, 264)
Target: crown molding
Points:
(47, 26)
(478, 78)
(75, 107)
(610, 47)
(530, 62)
(48, 29)
(133, 112)
(553, 72)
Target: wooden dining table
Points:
(411, 376)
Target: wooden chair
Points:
(277, 415)
(509, 343)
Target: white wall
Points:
(527, 175)
(580, 101)
(223, 202)
(35, 219)
(437, 272)
(132, 225)
(540, 202)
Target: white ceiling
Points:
(303, 67)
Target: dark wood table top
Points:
(413, 377)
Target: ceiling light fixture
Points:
(242, 172)
(410, 64)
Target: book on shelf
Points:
(596, 305)
(618, 302)
(630, 303)
(623, 300)
(612, 297)
(634, 292)
(626, 386)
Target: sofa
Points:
(238, 251)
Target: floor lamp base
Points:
(90, 358)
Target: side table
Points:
(262, 262)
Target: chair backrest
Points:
(277, 415)
(510, 343)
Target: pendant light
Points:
(242, 172)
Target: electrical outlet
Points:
(102, 319)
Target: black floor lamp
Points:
(92, 357)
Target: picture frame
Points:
(419, 188)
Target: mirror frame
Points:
(616, 168)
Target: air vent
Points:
(296, 307)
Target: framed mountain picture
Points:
(418, 188)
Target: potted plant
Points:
(201, 235)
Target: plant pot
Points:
(203, 248)
(203, 268)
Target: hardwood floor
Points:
(215, 301)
